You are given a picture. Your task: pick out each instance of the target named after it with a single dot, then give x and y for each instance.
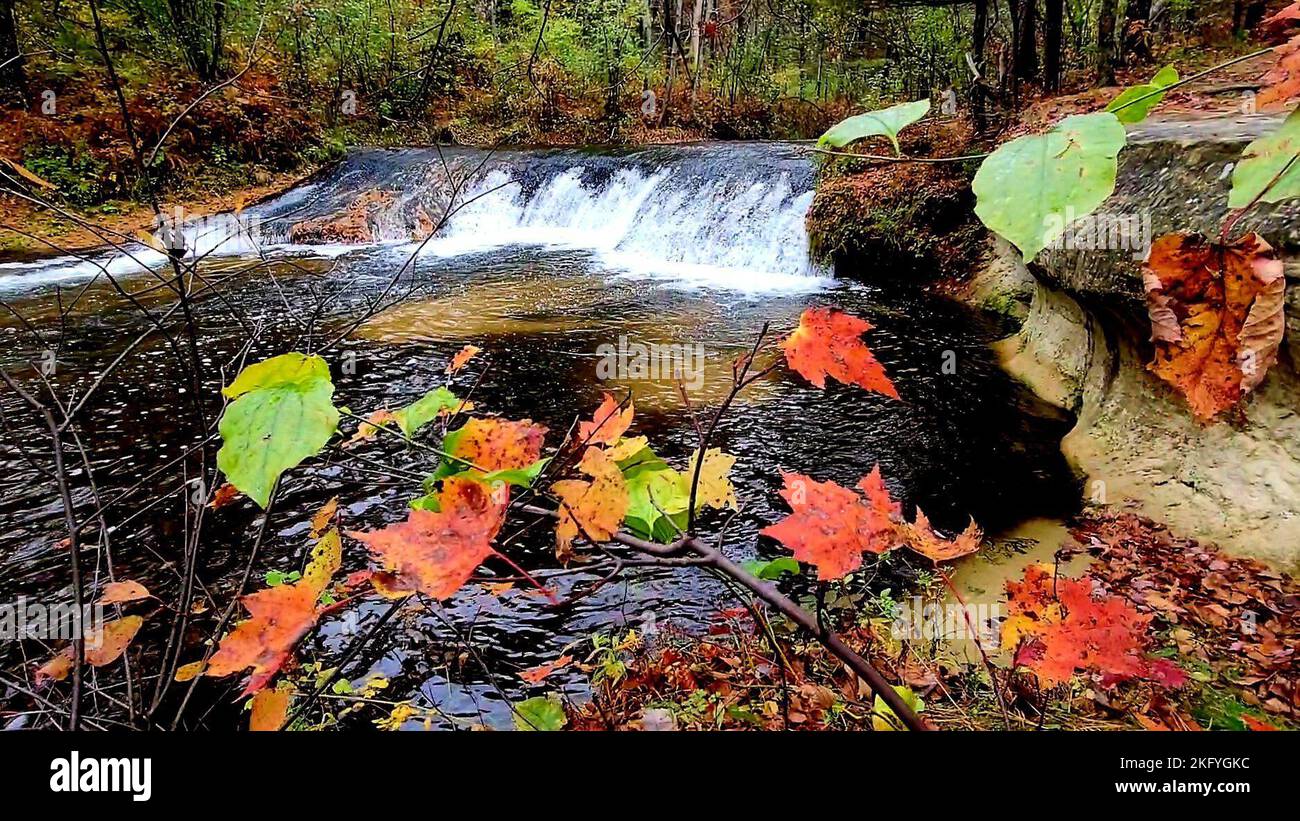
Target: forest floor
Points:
(1233, 631)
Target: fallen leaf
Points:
(534, 675)
(922, 538)
(1282, 82)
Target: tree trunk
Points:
(979, 97)
(11, 76)
(1052, 24)
(1026, 57)
(1106, 43)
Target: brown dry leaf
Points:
(106, 645)
(225, 494)
(321, 521)
(921, 538)
(1282, 82)
(27, 175)
(1216, 313)
(123, 591)
(533, 675)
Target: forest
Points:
(631, 365)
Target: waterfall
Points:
(728, 215)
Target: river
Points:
(553, 259)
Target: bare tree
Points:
(1106, 43)
(11, 59)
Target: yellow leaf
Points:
(270, 708)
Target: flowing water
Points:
(562, 266)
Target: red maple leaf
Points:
(435, 552)
(831, 526)
(1060, 626)
(828, 343)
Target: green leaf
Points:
(656, 500)
(643, 461)
(1128, 111)
(885, 719)
(886, 122)
(1263, 161)
(542, 713)
(771, 571)
(424, 410)
(1033, 187)
(283, 413)
(275, 578)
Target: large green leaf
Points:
(540, 713)
(424, 410)
(886, 122)
(282, 413)
(1129, 111)
(1031, 188)
(1263, 161)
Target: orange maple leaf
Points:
(534, 675)
(278, 617)
(608, 424)
(1216, 316)
(435, 552)
(497, 444)
(832, 526)
(595, 508)
(462, 358)
(828, 343)
(922, 538)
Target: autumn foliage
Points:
(1057, 627)
(1216, 316)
